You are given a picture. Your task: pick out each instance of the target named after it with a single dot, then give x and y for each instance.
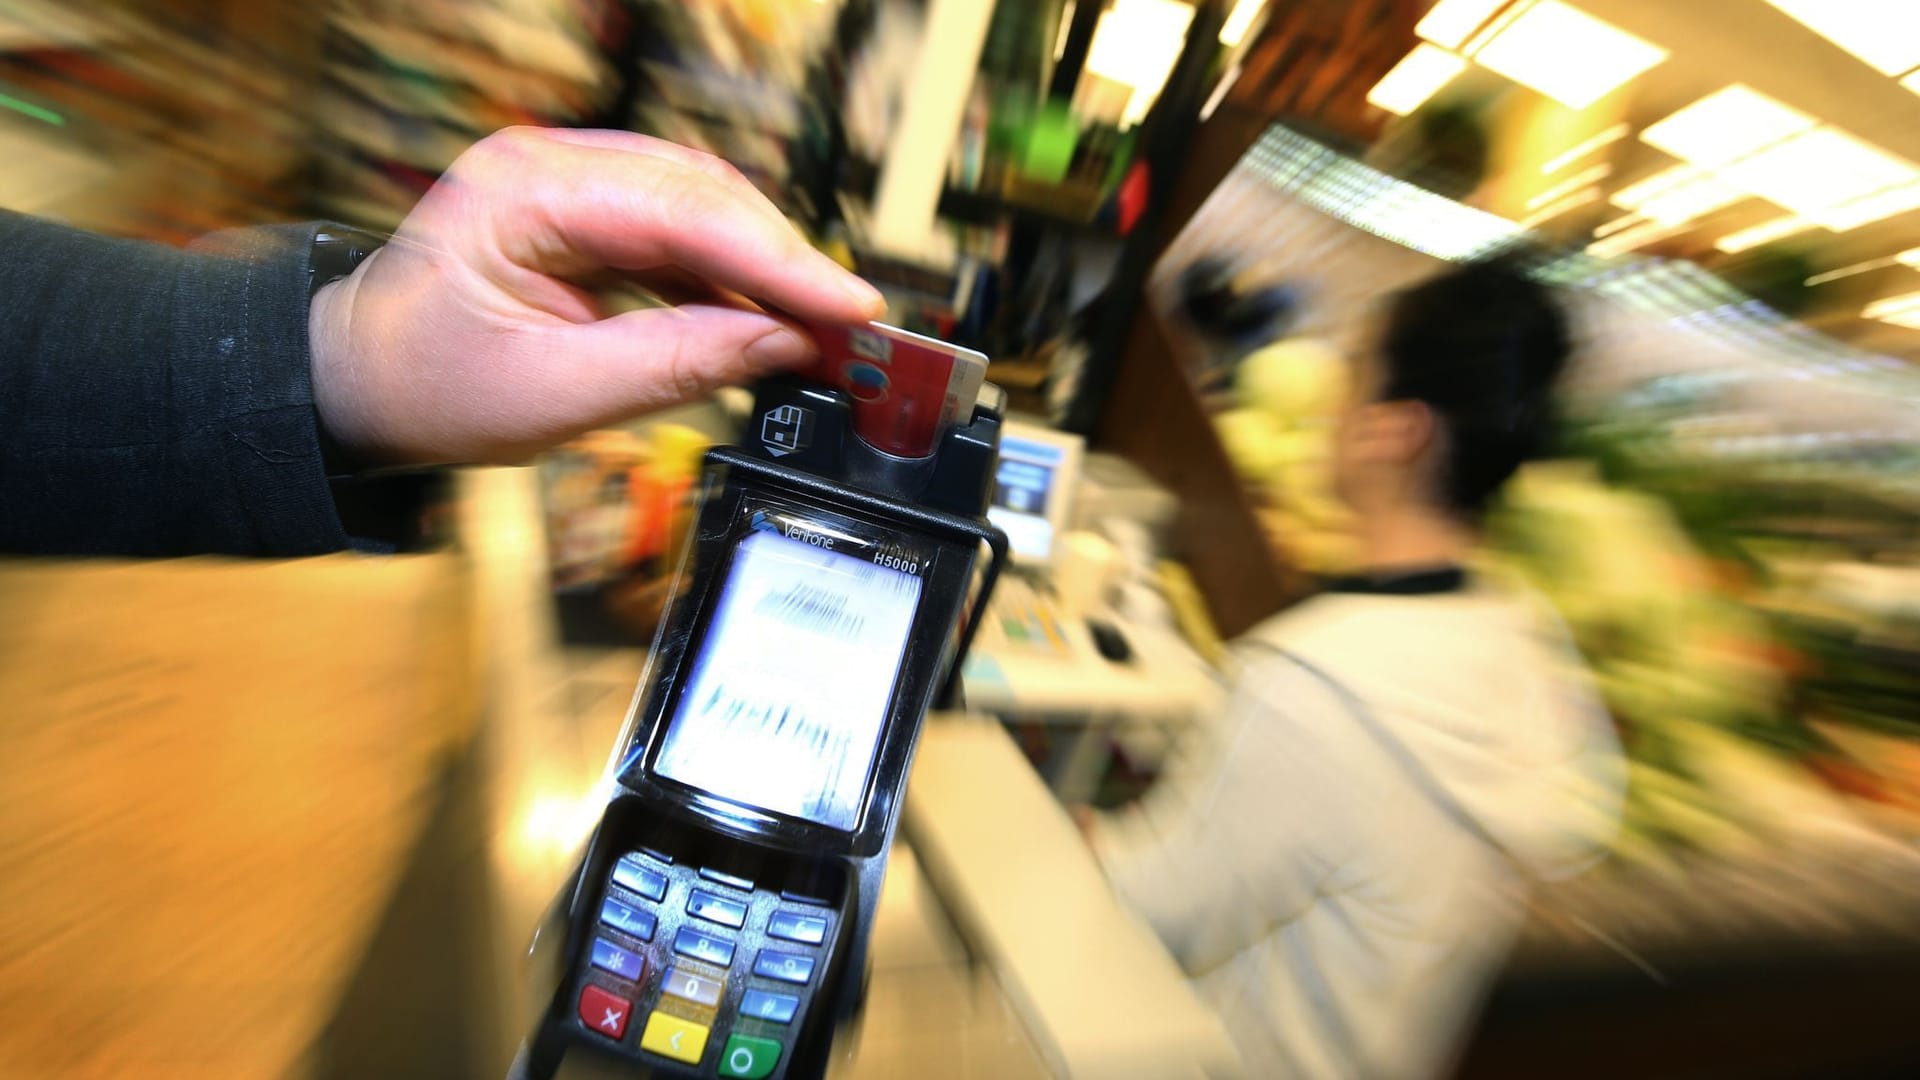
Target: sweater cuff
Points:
(258, 335)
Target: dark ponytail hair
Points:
(1481, 345)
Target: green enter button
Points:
(749, 1058)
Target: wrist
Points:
(333, 273)
(332, 372)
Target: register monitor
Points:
(1033, 489)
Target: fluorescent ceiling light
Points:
(1239, 22)
(1219, 93)
(1584, 147)
(1883, 33)
(1677, 195)
(1637, 193)
(1566, 54)
(1912, 82)
(1578, 180)
(1892, 305)
(1911, 257)
(1856, 268)
(1902, 310)
(1585, 195)
(1500, 22)
(1764, 233)
(1418, 76)
(1879, 205)
(1690, 200)
(1627, 239)
(1729, 123)
(1781, 154)
(1909, 319)
(1136, 42)
(1819, 170)
(1452, 21)
(1607, 229)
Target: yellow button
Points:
(670, 1036)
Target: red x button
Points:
(603, 1012)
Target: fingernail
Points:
(867, 296)
(780, 349)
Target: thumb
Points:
(640, 361)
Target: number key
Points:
(792, 926)
(629, 874)
(698, 989)
(767, 1005)
(787, 967)
(719, 909)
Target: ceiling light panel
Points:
(1885, 34)
(1500, 22)
(1584, 147)
(1764, 233)
(1677, 195)
(1894, 308)
(1628, 239)
(1418, 76)
(1690, 200)
(1729, 123)
(1452, 21)
(1560, 206)
(1883, 204)
(1566, 54)
(1591, 175)
(1819, 170)
(1624, 221)
(1234, 31)
(1638, 192)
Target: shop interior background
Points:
(317, 807)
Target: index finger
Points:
(632, 142)
(586, 208)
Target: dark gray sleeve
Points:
(156, 401)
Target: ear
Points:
(1395, 432)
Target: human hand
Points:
(1085, 820)
(472, 335)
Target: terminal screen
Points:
(789, 691)
(1024, 490)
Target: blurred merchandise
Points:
(153, 120)
(741, 79)
(617, 505)
(405, 87)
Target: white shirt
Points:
(1341, 876)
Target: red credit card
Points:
(906, 388)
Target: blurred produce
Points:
(1708, 593)
(616, 502)
(1278, 437)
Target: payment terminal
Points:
(719, 922)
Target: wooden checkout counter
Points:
(214, 774)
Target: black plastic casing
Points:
(808, 465)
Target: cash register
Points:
(1034, 486)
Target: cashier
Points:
(160, 402)
(1340, 866)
